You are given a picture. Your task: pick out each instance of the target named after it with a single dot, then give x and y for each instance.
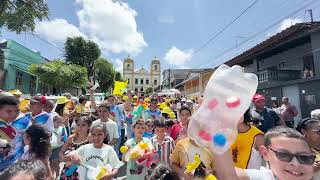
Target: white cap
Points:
(315, 114)
(189, 101)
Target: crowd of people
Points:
(69, 139)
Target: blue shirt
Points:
(148, 135)
(154, 114)
(267, 119)
(119, 116)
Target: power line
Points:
(224, 28)
(274, 24)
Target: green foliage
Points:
(20, 15)
(59, 74)
(82, 52)
(149, 90)
(105, 74)
(118, 76)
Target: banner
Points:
(119, 88)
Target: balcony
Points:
(269, 75)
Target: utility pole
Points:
(169, 79)
(311, 14)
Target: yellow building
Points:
(139, 80)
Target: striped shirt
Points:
(164, 149)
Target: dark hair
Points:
(87, 119)
(60, 108)
(36, 168)
(105, 106)
(159, 123)
(282, 131)
(276, 102)
(108, 96)
(82, 98)
(169, 123)
(165, 115)
(247, 116)
(163, 172)
(8, 101)
(39, 141)
(183, 108)
(104, 129)
(138, 122)
(306, 124)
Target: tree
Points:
(149, 90)
(59, 74)
(118, 76)
(105, 74)
(20, 15)
(82, 52)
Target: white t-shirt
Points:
(111, 127)
(260, 174)
(97, 157)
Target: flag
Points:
(119, 87)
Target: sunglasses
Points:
(150, 125)
(287, 157)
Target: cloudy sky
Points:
(172, 30)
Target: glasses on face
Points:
(287, 157)
(149, 125)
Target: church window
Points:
(141, 81)
(136, 81)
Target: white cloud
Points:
(112, 25)
(166, 20)
(2, 40)
(178, 57)
(284, 25)
(288, 22)
(118, 65)
(57, 30)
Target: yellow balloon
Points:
(124, 149)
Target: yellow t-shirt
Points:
(185, 151)
(242, 147)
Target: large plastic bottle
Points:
(227, 96)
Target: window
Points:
(156, 67)
(32, 85)
(147, 81)
(155, 82)
(141, 89)
(19, 79)
(128, 81)
(128, 66)
(136, 81)
(141, 81)
(135, 89)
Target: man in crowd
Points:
(262, 116)
(153, 111)
(288, 112)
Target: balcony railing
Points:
(278, 75)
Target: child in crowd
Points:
(163, 172)
(26, 170)
(184, 153)
(132, 171)
(179, 130)
(162, 142)
(37, 146)
(96, 153)
(169, 124)
(310, 128)
(58, 138)
(81, 107)
(112, 134)
(286, 152)
(80, 138)
(149, 133)
(245, 149)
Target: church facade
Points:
(141, 79)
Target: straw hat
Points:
(15, 92)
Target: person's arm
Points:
(115, 135)
(93, 103)
(279, 121)
(294, 110)
(111, 175)
(64, 148)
